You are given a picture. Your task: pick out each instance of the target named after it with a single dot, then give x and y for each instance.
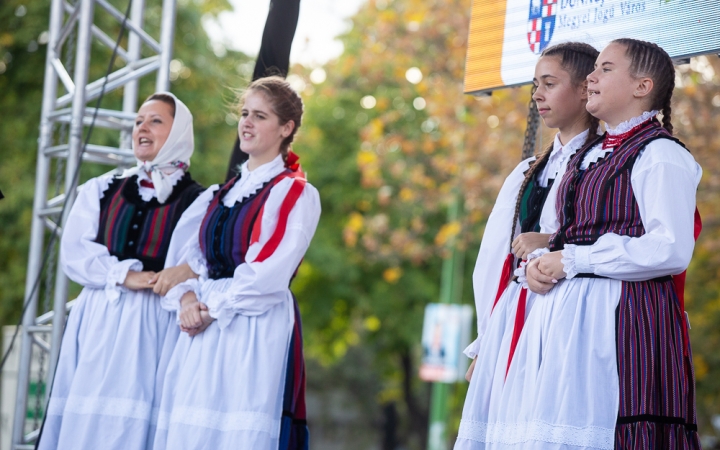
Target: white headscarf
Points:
(174, 155)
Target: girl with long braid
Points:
(528, 198)
(604, 360)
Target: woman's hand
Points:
(550, 264)
(169, 278)
(538, 282)
(138, 280)
(194, 316)
(527, 243)
(190, 309)
(468, 374)
(206, 321)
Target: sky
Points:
(319, 23)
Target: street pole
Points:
(450, 292)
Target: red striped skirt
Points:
(657, 381)
(293, 426)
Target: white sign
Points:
(446, 333)
(525, 27)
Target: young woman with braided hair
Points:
(604, 360)
(521, 222)
(237, 377)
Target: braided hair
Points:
(577, 59)
(650, 60)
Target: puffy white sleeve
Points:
(494, 248)
(259, 286)
(664, 180)
(185, 248)
(83, 260)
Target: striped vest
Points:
(132, 228)
(600, 199)
(226, 232)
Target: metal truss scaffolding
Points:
(67, 90)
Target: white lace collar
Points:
(571, 147)
(252, 180)
(629, 124)
(560, 155)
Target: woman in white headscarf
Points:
(118, 338)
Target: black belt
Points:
(592, 275)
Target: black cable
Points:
(73, 186)
(76, 176)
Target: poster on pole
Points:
(446, 333)
(507, 36)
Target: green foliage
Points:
(21, 76)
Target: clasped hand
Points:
(544, 272)
(194, 316)
(138, 280)
(160, 282)
(527, 243)
(167, 279)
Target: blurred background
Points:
(391, 142)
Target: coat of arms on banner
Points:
(541, 24)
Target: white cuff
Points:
(582, 259)
(568, 261)
(471, 351)
(116, 277)
(219, 310)
(196, 261)
(171, 300)
(520, 271)
(576, 260)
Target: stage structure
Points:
(67, 93)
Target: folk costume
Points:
(117, 340)
(604, 360)
(241, 382)
(502, 304)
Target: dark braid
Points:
(667, 111)
(594, 125)
(577, 59)
(650, 60)
(534, 166)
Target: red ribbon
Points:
(287, 205)
(518, 326)
(505, 275)
(291, 162)
(679, 282)
(147, 184)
